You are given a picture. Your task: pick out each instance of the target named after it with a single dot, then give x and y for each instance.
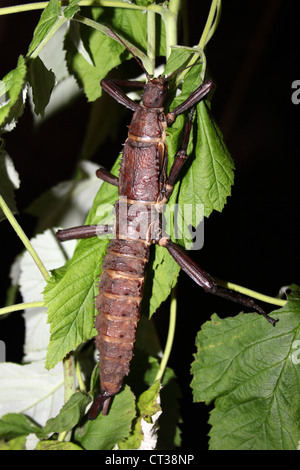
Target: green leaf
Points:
(9, 182)
(208, 173)
(18, 443)
(70, 293)
(90, 67)
(143, 372)
(147, 406)
(106, 431)
(42, 82)
(47, 21)
(70, 296)
(209, 179)
(69, 415)
(56, 445)
(12, 100)
(252, 371)
(71, 9)
(165, 273)
(14, 425)
(177, 60)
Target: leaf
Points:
(30, 388)
(106, 431)
(133, 23)
(14, 425)
(56, 445)
(71, 9)
(209, 179)
(71, 291)
(103, 55)
(42, 82)
(69, 415)
(31, 283)
(47, 21)
(66, 88)
(177, 60)
(165, 273)
(9, 182)
(144, 435)
(248, 367)
(12, 101)
(143, 372)
(18, 443)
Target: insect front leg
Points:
(111, 87)
(83, 231)
(182, 155)
(206, 281)
(179, 160)
(193, 99)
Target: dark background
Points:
(253, 58)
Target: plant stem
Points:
(92, 3)
(170, 338)
(170, 16)
(79, 377)
(70, 388)
(251, 293)
(151, 39)
(23, 306)
(215, 6)
(24, 239)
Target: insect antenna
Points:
(115, 36)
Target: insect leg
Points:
(83, 231)
(105, 175)
(194, 98)
(180, 158)
(101, 402)
(128, 83)
(117, 94)
(206, 281)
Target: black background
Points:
(253, 58)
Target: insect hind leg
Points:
(101, 402)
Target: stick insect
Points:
(144, 187)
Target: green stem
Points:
(151, 39)
(92, 3)
(169, 17)
(70, 388)
(206, 35)
(23, 306)
(24, 239)
(171, 334)
(209, 29)
(79, 377)
(252, 293)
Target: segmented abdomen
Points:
(118, 305)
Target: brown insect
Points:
(144, 188)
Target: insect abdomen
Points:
(118, 305)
